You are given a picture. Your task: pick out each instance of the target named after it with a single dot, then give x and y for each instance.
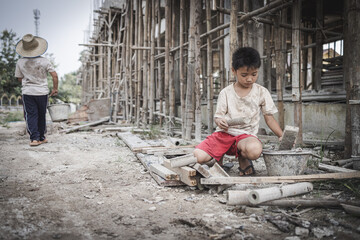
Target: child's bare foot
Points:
(246, 167)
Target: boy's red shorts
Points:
(220, 143)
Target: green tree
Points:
(69, 88)
(8, 58)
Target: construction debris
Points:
(257, 196)
(289, 138)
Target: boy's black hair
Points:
(246, 57)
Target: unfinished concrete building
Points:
(165, 61)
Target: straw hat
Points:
(31, 46)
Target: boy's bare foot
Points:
(246, 167)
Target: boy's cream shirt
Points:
(230, 106)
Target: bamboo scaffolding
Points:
(146, 80)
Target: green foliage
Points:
(69, 90)
(354, 188)
(153, 132)
(11, 117)
(8, 58)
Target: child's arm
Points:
(273, 125)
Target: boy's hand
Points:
(222, 123)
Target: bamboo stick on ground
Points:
(267, 194)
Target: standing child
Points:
(243, 99)
(31, 71)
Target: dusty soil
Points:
(89, 185)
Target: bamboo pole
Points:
(101, 72)
(319, 45)
(190, 72)
(148, 58)
(352, 77)
(210, 84)
(145, 65)
(295, 67)
(234, 44)
(160, 78)
(172, 68)
(140, 59)
(130, 62)
(167, 58)
(245, 29)
(268, 58)
(116, 107)
(181, 68)
(109, 24)
(127, 63)
(198, 9)
(279, 38)
(137, 65)
(152, 65)
(221, 47)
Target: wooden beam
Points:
(132, 141)
(330, 168)
(164, 172)
(279, 179)
(186, 174)
(182, 160)
(106, 119)
(147, 161)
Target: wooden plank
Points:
(147, 161)
(164, 172)
(166, 183)
(132, 141)
(183, 161)
(106, 119)
(279, 179)
(323, 203)
(186, 174)
(334, 169)
(217, 171)
(202, 170)
(149, 150)
(170, 151)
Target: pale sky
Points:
(62, 24)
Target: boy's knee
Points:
(201, 156)
(253, 150)
(254, 154)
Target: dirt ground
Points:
(89, 185)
